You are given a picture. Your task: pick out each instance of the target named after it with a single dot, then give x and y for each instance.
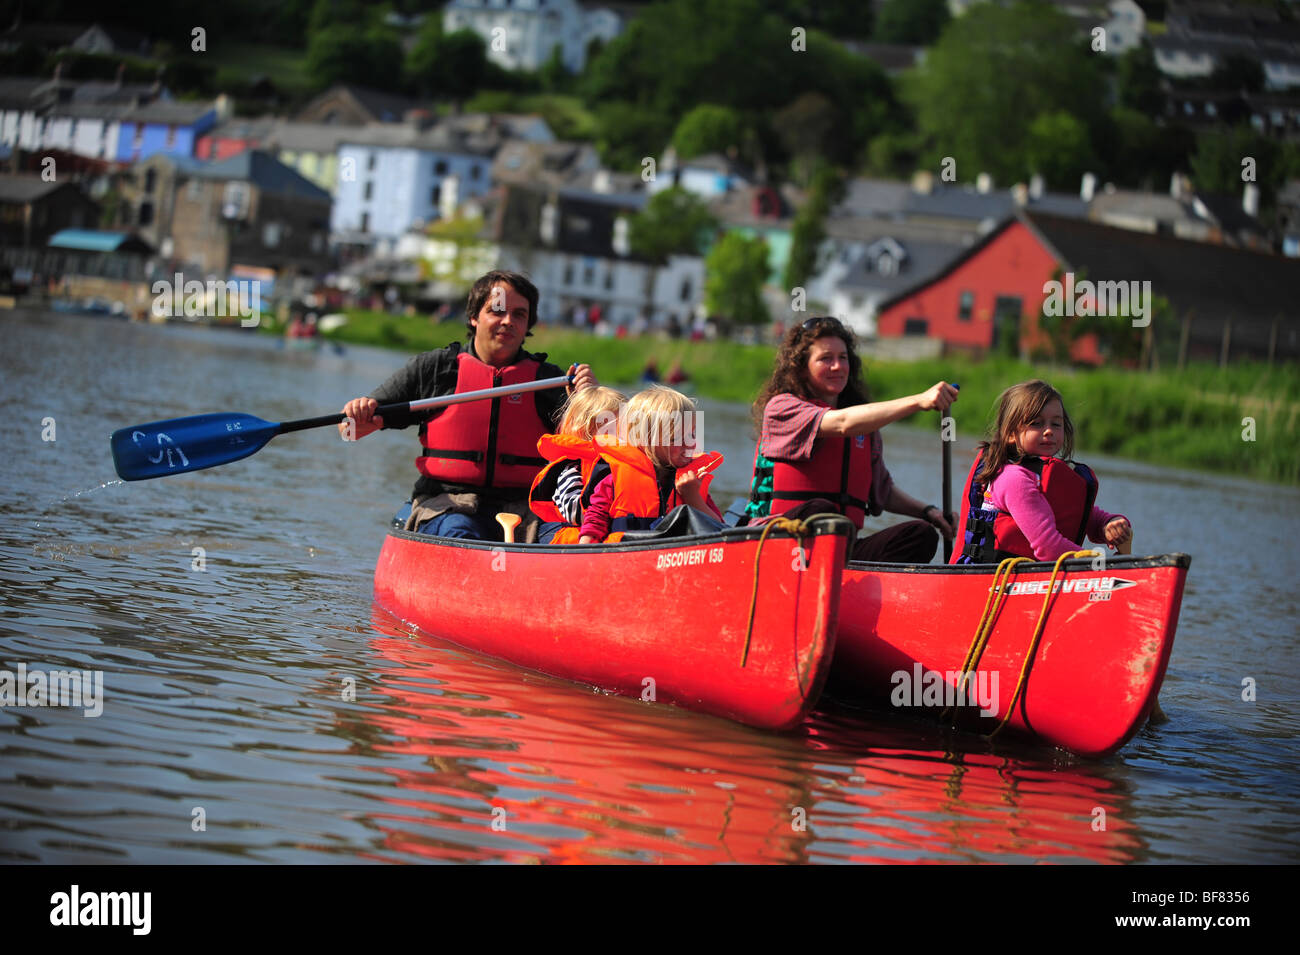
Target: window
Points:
(150, 180)
(271, 234)
(171, 136)
(435, 195)
(370, 162)
(568, 273)
(365, 222)
(146, 213)
(475, 171)
(588, 274)
(440, 167)
(686, 290)
(609, 278)
(966, 306)
(918, 327)
(369, 192)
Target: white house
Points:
(522, 34)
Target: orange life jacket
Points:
(560, 450)
(639, 499)
(491, 444)
(989, 536)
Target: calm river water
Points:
(224, 735)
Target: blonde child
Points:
(652, 472)
(556, 494)
(1024, 496)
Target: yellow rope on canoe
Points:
(984, 629)
(799, 529)
(1038, 633)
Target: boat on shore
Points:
(666, 618)
(905, 633)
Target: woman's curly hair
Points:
(790, 374)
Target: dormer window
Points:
(886, 265)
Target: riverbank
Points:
(1244, 419)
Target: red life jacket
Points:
(490, 444)
(839, 471)
(989, 536)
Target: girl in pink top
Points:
(1031, 420)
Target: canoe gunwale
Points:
(1080, 564)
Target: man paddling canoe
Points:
(478, 458)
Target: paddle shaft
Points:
(425, 404)
(947, 484)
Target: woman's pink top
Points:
(1015, 491)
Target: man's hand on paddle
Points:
(361, 419)
(583, 378)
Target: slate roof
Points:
(169, 113)
(24, 188)
(923, 261)
(266, 172)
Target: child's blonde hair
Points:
(591, 410)
(660, 417)
(1016, 408)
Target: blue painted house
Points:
(166, 127)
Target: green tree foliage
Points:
(1139, 154)
(1139, 81)
(707, 129)
(1222, 159)
(627, 134)
(738, 54)
(673, 222)
(448, 65)
(343, 54)
(734, 273)
(330, 13)
(991, 74)
(917, 22)
(1057, 147)
(809, 228)
(840, 18)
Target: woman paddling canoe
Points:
(819, 445)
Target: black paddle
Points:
(947, 485)
(208, 440)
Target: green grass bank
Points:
(1244, 419)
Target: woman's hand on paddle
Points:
(938, 398)
(1118, 531)
(362, 419)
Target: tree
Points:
(1057, 148)
(809, 229)
(735, 271)
(451, 65)
(707, 129)
(918, 22)
(1224, 162)
(992, 72)
(674, 222)
(1139, 81)
(340, 54)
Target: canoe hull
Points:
(663, 621)
(905, 631)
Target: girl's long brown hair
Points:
(1017, 406)
(790, 375)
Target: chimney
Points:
(449, 197)
(1088, 186)
(1020, 194)
(1177, 186)
(983, 184)
(923, 182)
(1035, 186)
(1250, 200)
(601, 182)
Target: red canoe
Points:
(905, 632)
(663, 619)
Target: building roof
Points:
(442, 138)
(376, 105)
(959, 202)
(24, 188)
(307, 137)
(266, 172)
(169, 112)
(921, 260)
(95, 240)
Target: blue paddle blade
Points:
(187, 444)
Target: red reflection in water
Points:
(571, 775)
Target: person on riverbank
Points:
(642, 479)
(556, 494)
(478, 458)
(819, 447)
(1021, 499)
